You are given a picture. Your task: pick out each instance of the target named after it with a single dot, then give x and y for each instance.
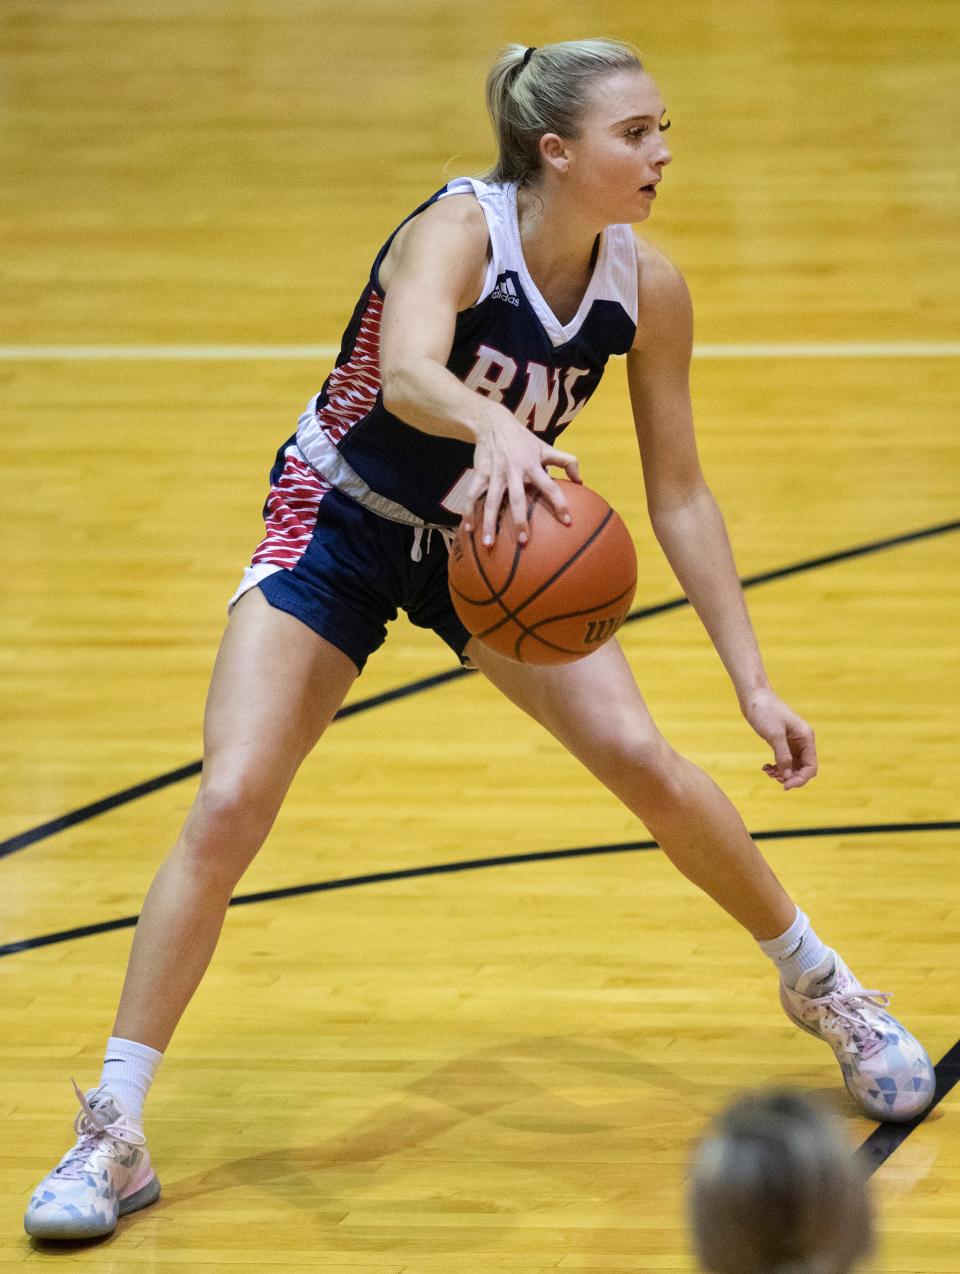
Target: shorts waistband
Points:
(320, 453)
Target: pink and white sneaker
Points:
(104, 1176)
(886, 1070)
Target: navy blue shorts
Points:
(344, 571)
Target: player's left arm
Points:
(684, 514)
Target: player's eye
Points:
(639, 130)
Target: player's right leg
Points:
(595, 709)
(276, 686)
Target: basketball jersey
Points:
(508, 345)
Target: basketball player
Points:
(774, 1190)
(485, 326)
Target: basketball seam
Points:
(531, 632)
(572, 614)
(515, 614)
(497, 595)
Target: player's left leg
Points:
(595, 709)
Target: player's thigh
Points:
(276, 686)
(593, 706)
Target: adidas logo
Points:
(505, 291)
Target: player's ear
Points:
(554, 152)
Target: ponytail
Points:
(532, 91)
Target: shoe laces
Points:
(94, 1134)
(843, 1014)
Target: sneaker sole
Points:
(882, 1114)
(74, 1229)
(148, 1194)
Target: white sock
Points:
(128, 1071)
(798, 952)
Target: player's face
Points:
(619, 157)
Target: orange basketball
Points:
(557, 597)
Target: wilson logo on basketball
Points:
(598, 630)
(530, 602)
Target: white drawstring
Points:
(446, 533)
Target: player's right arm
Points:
(434, 269)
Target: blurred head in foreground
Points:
(774, 1190)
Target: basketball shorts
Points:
(344, 571)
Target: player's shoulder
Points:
(659, 279)
(664, 308)
(445, 245)
(454, 217)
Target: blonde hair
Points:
(547, 92)
(774, 1190)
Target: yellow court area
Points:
(503, 1068)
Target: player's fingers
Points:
(491, 510)
(805, 761)
(552, 493)
(517, 497)
(564, 460)
(782, 755)
(472, 497)
(796, 780)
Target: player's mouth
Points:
(650, 190)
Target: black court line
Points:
(472, 864)
(85, 812)
(810, 564)
(73, 817)
(885, 1139)
(874, 1152)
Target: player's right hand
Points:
(508, 458)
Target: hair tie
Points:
(528, 55)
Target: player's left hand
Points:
(794, 748)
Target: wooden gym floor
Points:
(496, 1069)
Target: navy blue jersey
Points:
(508, 345)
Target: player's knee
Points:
(228, 823)
(638, 751)
(667, 778)
(649, 767)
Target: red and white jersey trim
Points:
(293, 506)
(291, 513)
(352, 388)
